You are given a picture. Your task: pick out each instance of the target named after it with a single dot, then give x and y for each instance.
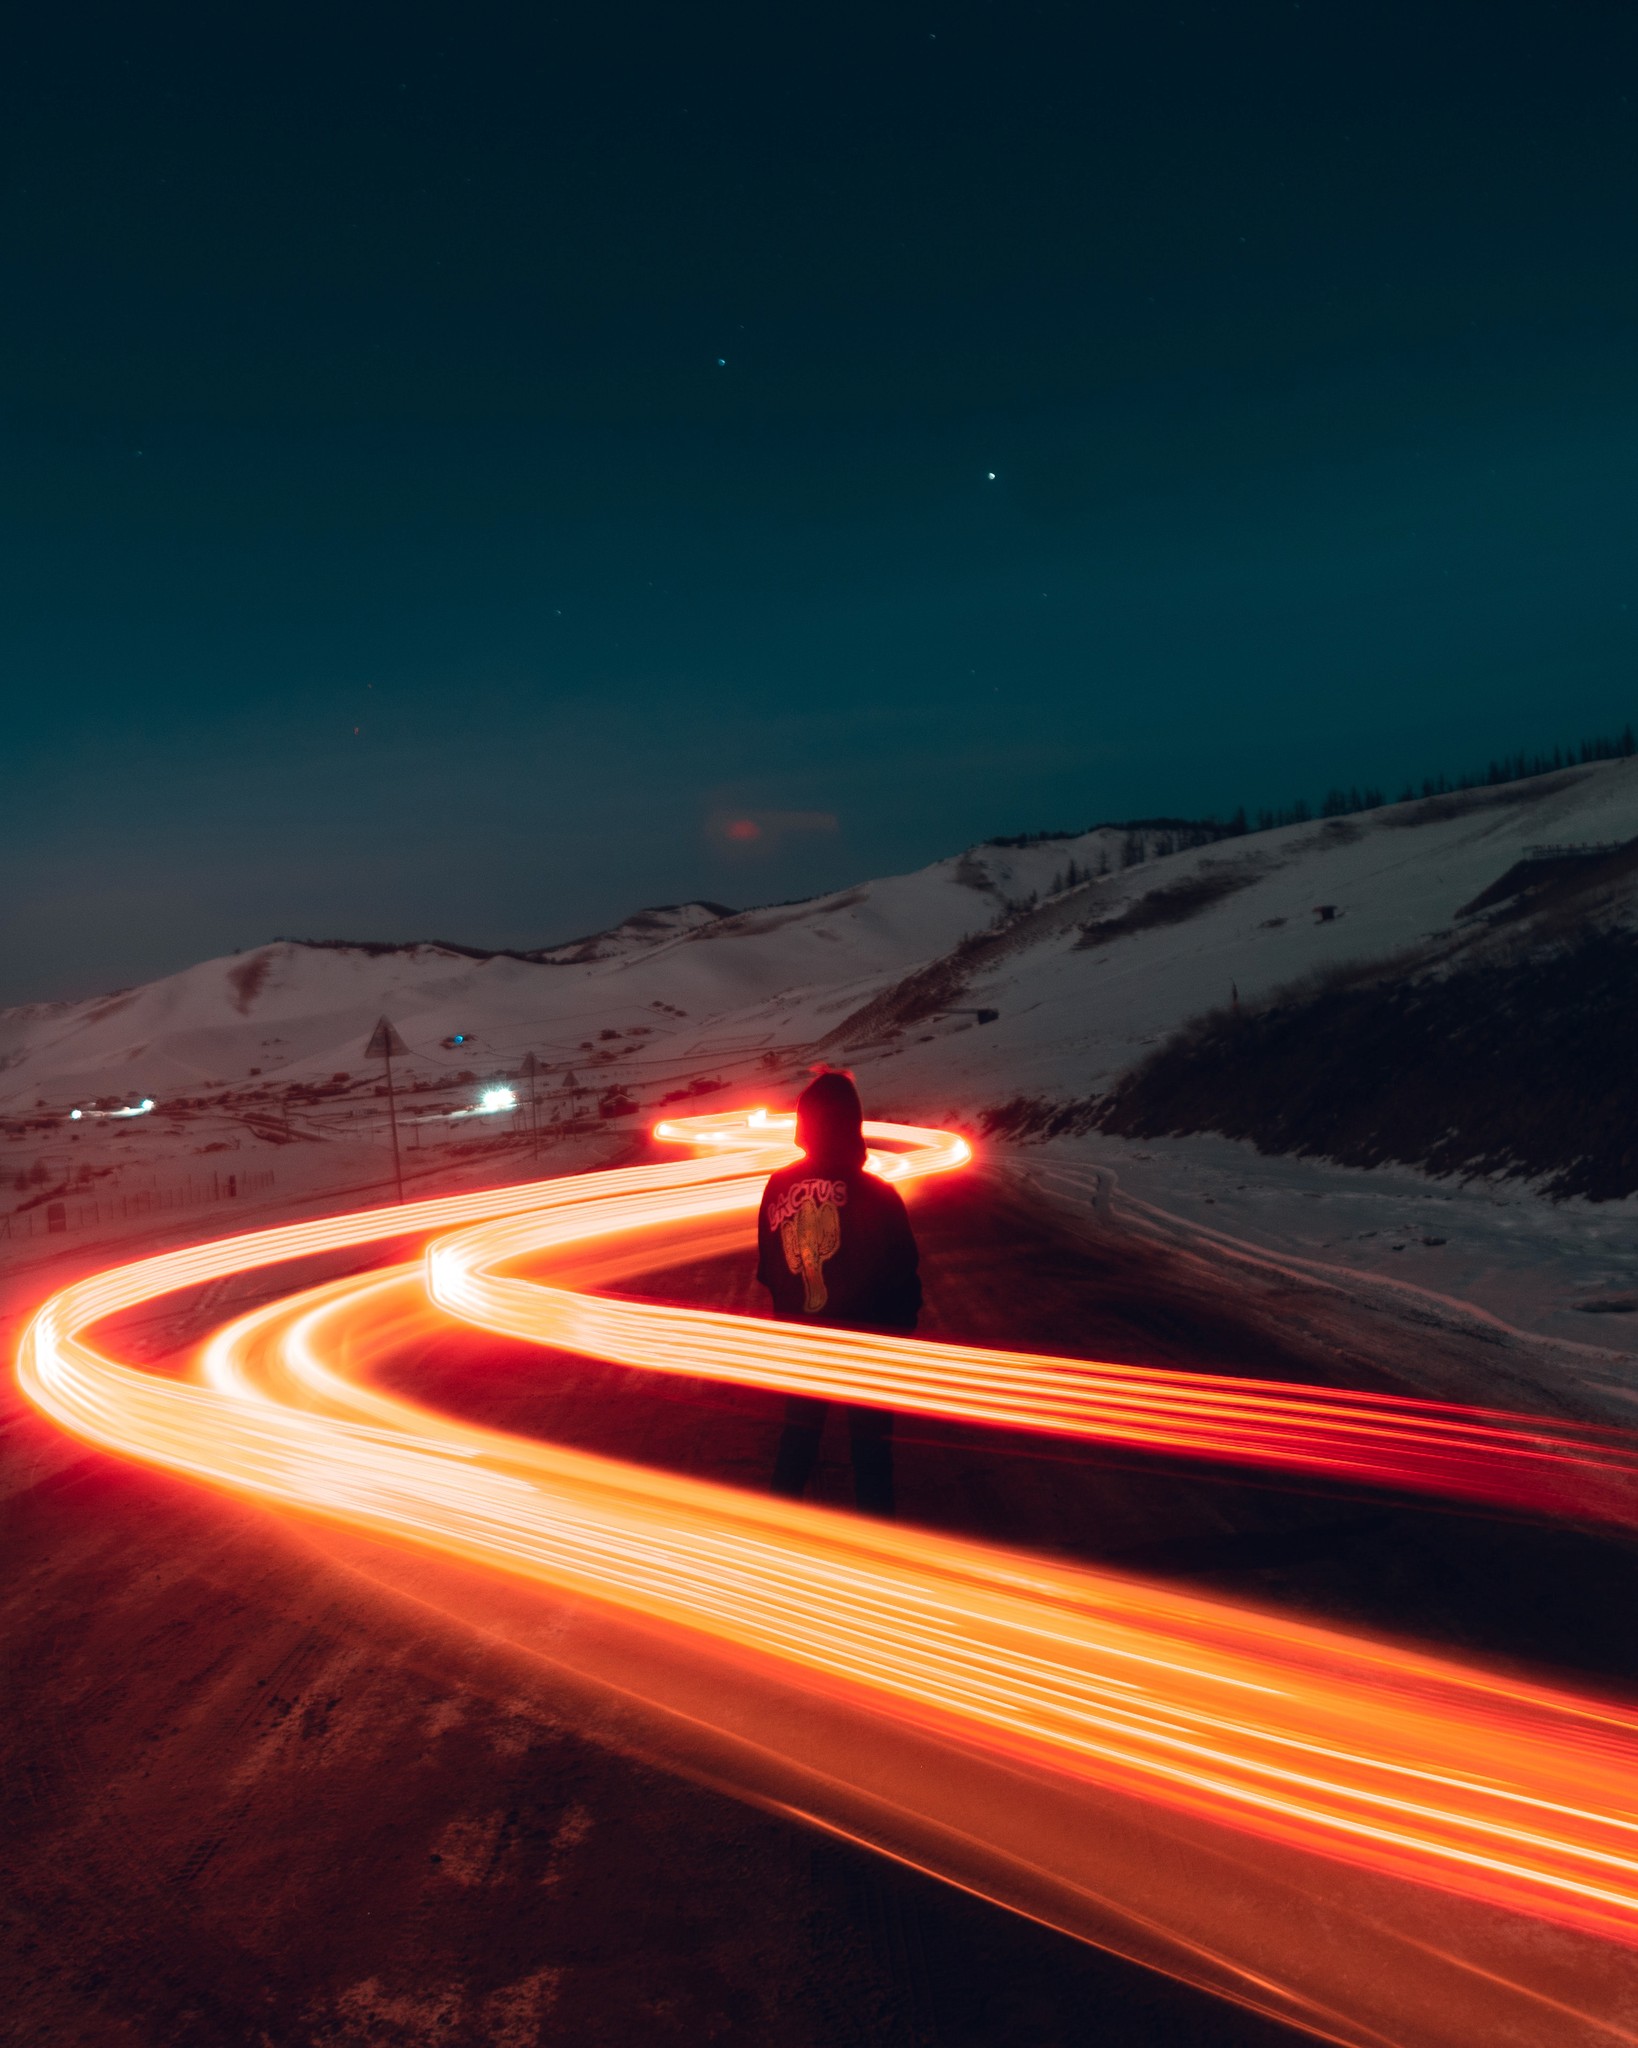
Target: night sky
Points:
(467, 472)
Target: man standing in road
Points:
(834, 1248)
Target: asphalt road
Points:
(251, 1798)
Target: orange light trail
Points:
(1387, 1440)
(1405, 1768)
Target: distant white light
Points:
(494, 1099)
(990, 473)
(141, 1109)
(76, 1114)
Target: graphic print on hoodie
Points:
(810, 1231)
(835, 1246)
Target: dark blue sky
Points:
(385, 551)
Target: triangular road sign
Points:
(385, 1043)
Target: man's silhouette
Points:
(834, 1247)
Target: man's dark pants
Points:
(871, 1430)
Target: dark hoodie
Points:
(833, 1241)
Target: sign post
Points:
(531, 1067)
(384, 1042)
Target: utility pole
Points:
(531, 1067)
(384, 1042)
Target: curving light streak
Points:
(1387, 1440)
(1312, 1736)
(1398, 1765)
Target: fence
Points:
(84, 1212)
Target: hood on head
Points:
(828, 1119)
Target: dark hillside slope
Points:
(1518, 1063)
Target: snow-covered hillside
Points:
(1041, 971)
(1087, 982)
(663, 993)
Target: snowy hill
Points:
(1088, 950)
(692, 979)
(1088, 981)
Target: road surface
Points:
(233, 1821)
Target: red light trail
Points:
(1436, 1806)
